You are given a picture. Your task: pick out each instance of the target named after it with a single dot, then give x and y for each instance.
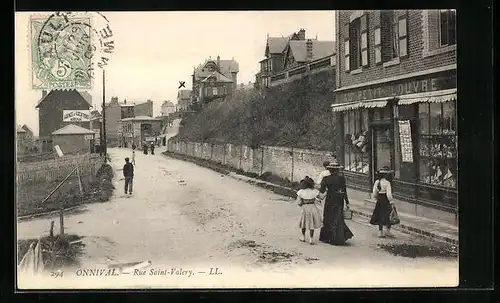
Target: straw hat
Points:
(385, 170)
(335, 165)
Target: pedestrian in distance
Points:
(382, 192)
(310, 218)
(128, 173)
(152, 148)
(334, 231)
(133, 157)
(145, 148)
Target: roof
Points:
(320, 49)
(167, 103)
(226, 68)
(140, 118)
(19, 129)
(220, 78)
(277, 44)
(72, 129)
(184, 94)
(85, 95)
(95, 114)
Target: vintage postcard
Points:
(236, 149)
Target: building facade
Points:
(214, 79)
(184, 100)
(143, 109)
(137, 130)
(167, 108)
(73, 139)
(115, 111)
(59, 108)
(289, 58)
(396, 101)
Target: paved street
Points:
(185, 216)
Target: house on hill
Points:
(214, 79)
(289, 58)
(184, 100)
(59, 108)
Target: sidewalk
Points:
(423, 227)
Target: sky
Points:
(155, 50)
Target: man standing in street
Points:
(128, 173)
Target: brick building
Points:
(115, 111)
(396, 101)
(52, 108)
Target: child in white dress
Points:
(311, 215)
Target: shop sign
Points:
(394, 89)
(89, 137)
(405, 140)
(76, 115)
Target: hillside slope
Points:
(295, 114)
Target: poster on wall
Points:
(76, 115)
(405, 140)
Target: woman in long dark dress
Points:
(382, 191)
(334, 231)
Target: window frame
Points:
(377, 32)
(402, 37)
(448, 28)
(365, 57)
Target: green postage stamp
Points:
(61, 51)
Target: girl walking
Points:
(311, 215)
(382, 191)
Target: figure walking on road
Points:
(311, 216)
(145, 148)
(334, 231)
(152, 148)
(133, 157)
(382, 191)
(128, 173)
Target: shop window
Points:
(438, 144)
(447, 27)
(356, 145)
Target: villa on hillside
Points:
(214, 79)
(290, 58)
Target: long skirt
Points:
(334, 231)
(310, 217)
(381, 212)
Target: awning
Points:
(431, 97)
(345, 106)
(373, 103)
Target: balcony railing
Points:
(298, 72)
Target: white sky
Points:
(156, 50)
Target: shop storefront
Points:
(410, 126)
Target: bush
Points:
(295, 114)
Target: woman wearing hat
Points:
(334, 231)
(382, 191)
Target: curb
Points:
(288, 192)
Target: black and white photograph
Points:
(236, 149)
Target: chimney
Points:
(44, 93)
(302, 34)
(114, 99)
(125, 101)
(218, 61)
(309, 47)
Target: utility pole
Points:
(103, 137)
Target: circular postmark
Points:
(67, 48)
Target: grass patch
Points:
(419, 251)
(57, 252)
(97, 188)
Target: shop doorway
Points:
(382, 147)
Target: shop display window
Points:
(356, 145)
(438, 144)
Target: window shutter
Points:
(403, 36)
(347, 49)
(386, 25)
(355, 47)
(364, 40)
(378, 46)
